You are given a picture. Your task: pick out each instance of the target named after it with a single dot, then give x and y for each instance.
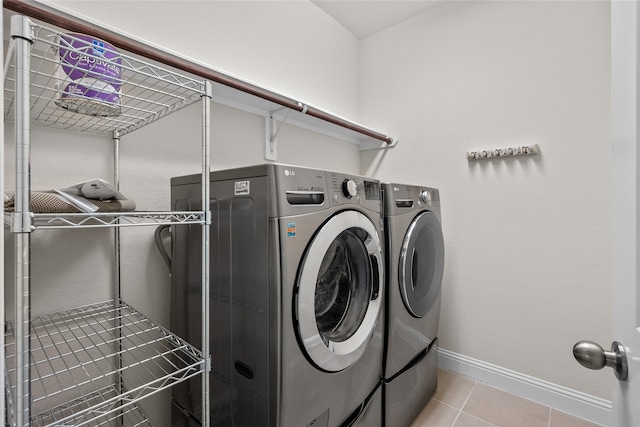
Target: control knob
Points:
(425, 196)
(349, 188)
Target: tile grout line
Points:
(465, 402)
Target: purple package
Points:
(89, 76)
(83, 56)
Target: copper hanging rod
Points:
(60, 19)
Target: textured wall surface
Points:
(528, 239)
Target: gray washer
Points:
(415, 265)
(297, 290)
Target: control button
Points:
(349, 188)
(425, 196)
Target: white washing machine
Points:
(297, 290)
(415, 265)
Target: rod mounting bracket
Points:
(372, 144)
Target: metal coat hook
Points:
(521, 150)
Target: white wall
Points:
(528, 239)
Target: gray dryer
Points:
(415, 266)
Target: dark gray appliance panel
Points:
(239, 301)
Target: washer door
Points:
(340, 288)
(421, 264)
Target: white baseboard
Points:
(564, 399)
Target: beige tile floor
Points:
(463, 402)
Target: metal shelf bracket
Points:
(272, 128)
(271, 132)
(21, 222)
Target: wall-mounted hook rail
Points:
(521, 150)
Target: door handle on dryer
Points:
(376, 268)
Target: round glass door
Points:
(339, 291)
(421, 264)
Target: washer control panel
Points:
(304, 188)
(353, 189)
(403, 198)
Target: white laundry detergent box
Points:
(88, 76)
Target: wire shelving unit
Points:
(92, 365)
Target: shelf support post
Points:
(118, 278)
(22, 34)
(206, 168)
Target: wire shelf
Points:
(90, 366)
(131, 415)
(44, 221)
(118, 92)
